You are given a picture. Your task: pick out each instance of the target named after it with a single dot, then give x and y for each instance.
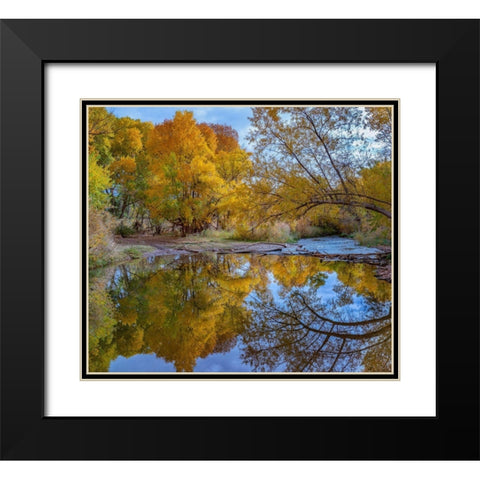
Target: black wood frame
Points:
(27, 45)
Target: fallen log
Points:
(190, 250)
(260, 247)
(370, 258)
(252, 249)
(256, 250)
(384, 272)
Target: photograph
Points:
(239, 238)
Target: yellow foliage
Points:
(191, 185)
(123, 172)
(98, 181)
(127, 141)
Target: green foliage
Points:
(137, 251)
(214, 234)
(101, 324)
(124, 230)
(98, 182)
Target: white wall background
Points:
(243, 9)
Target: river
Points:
(242, 313)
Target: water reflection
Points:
(237, 313)
(303, 333)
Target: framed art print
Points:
(252, 236)
(221, 253)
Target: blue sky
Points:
(236, 117)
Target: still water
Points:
(239, 313)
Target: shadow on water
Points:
(239, 313)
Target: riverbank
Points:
(169, 245)
(329, 249)
(121, 253)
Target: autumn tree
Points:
(379, 120)
(100, 134)
(192, 182)
(227, 137)
(118, 146)
(183, 181)
(129, 166)
(311, 157)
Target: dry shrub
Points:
(277, 232)
(243, 232)
(372, 238)
(100, 238)
(303, 228)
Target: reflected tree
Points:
(301, 332)
(183, 310)
(285, 313)
(101, 324)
